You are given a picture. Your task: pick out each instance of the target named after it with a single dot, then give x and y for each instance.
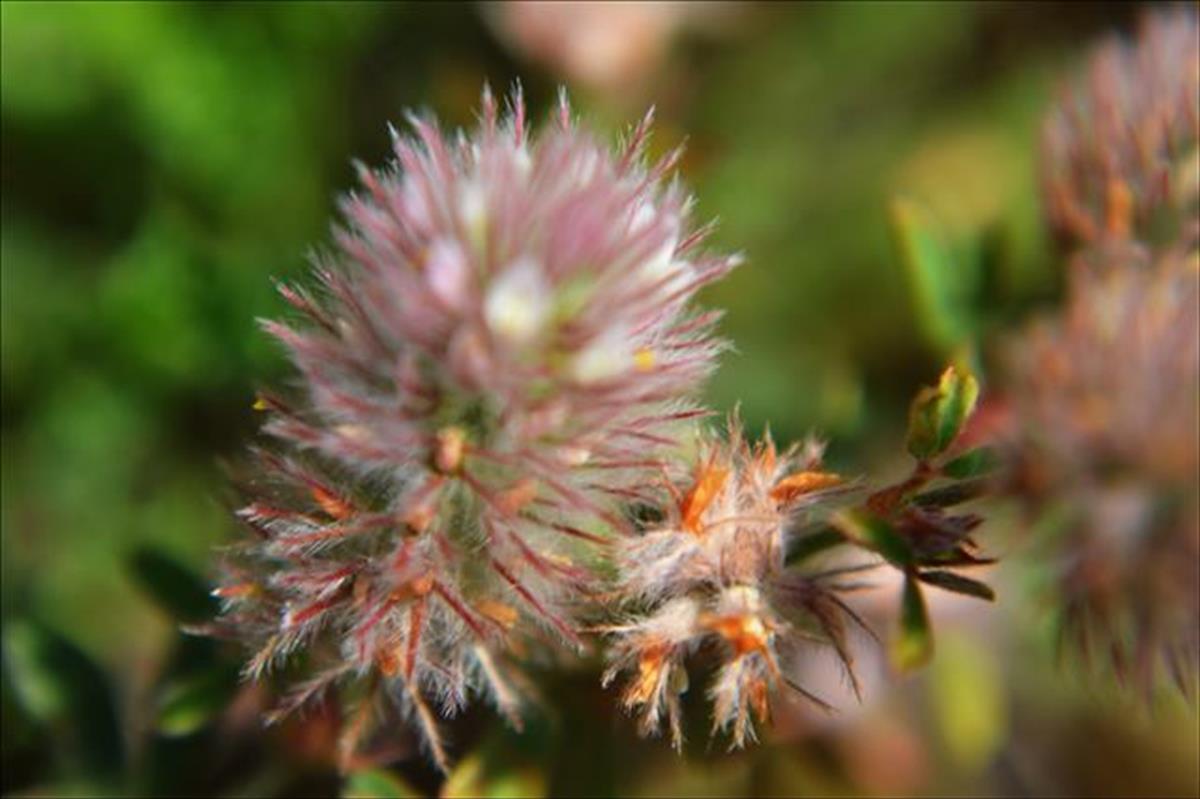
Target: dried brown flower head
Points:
(1106, 398)
(712, 576)
(1121, 149)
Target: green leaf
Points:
(188, 703)
(968, 700)
(972, 463)
(958, 584)
(914, 644)
(938, 413)
(58, 684)
(876, 534)
(173, 586)
(806, 546)
(377, 783)
(939, 285)
(488, 776)
(953, 494)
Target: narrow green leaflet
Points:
(953, 494)
(939, 284)
(958, 584)
(972, 463)
(377, 783)
(874, 533)
(190, 702)
(914, 643)
(809, 545)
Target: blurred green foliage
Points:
(161, 162)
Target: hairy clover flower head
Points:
(1121, 150)
(494, 357)
(712, 574)
(1106, 399)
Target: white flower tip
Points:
(523, 160)
(517, 303)
(605, 357)
(446, 272)
(472, 208)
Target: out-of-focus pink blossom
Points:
(605, 46)
(1121, 150)
(1105, 423)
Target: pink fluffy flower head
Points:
(495, 357)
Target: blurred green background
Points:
(162, 162)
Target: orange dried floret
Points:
(513, 500)
(800, 483)
(760, 700)
(502, 614)
(708, 485)
(332, 504)
(745, 633)
(651, 661)
(239, 591)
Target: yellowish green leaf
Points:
(913, 645)
(938, 413)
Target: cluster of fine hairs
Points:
(1119, 155)
(494, 457)
(713, 573)
(1106, 392)
(1106, 395)
(499, 365)
(496, 358)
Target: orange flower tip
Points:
(760, 700)
(238, 591)
(708, 486)
(651, 662)
(767, 457)
(558, 558)
(745, 633)
(417, 519)
(1120, 209)
(797, 485)
(261, 403)
(333, 505)
(512, 500)
(504, 615)
(644, 359)
(388, 663)
(449, 451)
(414, 589)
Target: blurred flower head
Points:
(1106, 398)
(1121, 150)
(609, 47)
(495, 356)
(711, 576)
